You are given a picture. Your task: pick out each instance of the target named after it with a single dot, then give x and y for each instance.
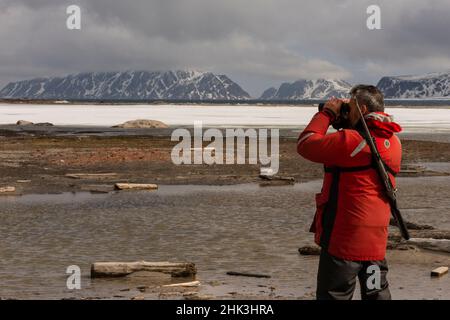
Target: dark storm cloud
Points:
(257, 42)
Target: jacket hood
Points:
(382, 124)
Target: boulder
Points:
(142, 124)
(309, 251)
(24, 123)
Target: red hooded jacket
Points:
(352, 216)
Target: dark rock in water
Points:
(309, 251)
(276, 180)
(245, 274)
(431, 234)
(435, 240)
(415, 226)
(440, 245)
(422, 234)
(411, 170)
(276, 183)
(142, 288)
(394, 245)
(44, 124)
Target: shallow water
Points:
(220, 228)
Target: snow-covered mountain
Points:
(169, 85)
(432, 85)
(308, 89)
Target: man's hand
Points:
(334, 105)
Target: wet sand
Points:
(244, 228)
(215, 216)
(43, 158)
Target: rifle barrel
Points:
(384, 176)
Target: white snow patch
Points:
(412, 120)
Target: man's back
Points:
(353, 214)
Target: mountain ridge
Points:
(308, 89)
(430, 85)
(168, 85)
(198, 85)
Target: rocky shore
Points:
(43, 161)
(50, 160)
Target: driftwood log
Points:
(7, 189)
(135, 186)
(412, 225)
(422, 237)
(121, 269)
(431, 234)
(184, 284)
(441, 245)
(245, 274)
(423, 234)
(272, 181)
(429, 239)
(277, 178)
(90, 175)
(309, 251)
(392, 245)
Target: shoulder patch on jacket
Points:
(306, 136)
(359, 148)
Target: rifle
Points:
(389, 189)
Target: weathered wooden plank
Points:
(439, 272)
(90, 175)
(135, 186)
(184, 284)
(7, 189)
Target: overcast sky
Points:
(258, 43)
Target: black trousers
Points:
(336, 279)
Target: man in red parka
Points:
(353, 213)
